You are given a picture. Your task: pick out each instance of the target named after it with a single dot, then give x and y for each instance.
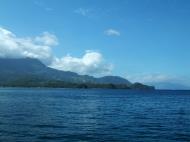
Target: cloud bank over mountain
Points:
(90, 63)
(40, 47)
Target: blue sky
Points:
(146, 40)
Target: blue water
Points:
(61, 115)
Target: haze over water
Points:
(61, 115)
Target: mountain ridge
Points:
(21, 71)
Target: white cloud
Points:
(40, 47)
(47, 39)
(90, 63)
(12, 46)
(112, 32)
(82, 11)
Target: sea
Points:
(94, 115)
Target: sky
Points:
(141, 40)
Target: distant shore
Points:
(54, 84)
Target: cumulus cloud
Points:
(12, 46)
(47, 39)
(90, 63)
(40, 47)
(112, 32)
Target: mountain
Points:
(13, 69)
(30, 72)
(113, 79)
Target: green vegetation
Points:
(32, 73)
(37, 82)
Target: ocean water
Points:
(94, 115)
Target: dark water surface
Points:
(59, 115)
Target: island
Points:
(29, 72)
